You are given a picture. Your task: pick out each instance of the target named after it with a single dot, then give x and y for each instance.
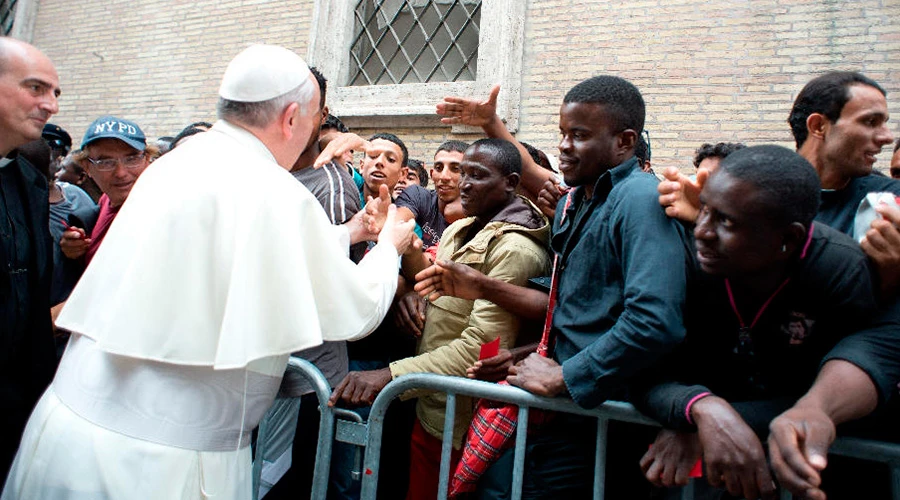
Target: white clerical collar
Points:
(243, 136)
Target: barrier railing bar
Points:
(460, 386)
(612, 410)
(864, 449)
(600, 459)
(258, 462)
(447, 445)
(519, 453)
(895, 482)
(326, 424)
(687, 491)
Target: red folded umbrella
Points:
(494, 424)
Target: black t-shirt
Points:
(423, 203)
(830, 295)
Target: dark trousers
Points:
(559, 461)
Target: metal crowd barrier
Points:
(369, 435)
(326, 429)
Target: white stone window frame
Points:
(500, 52)
(23, 22)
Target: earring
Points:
(783, 248)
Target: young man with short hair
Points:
(416, 175)
(427, 206)
(383, 164)
(839, 122)
(776, 296)
(504, 236)
(622, 270)
(708, 156)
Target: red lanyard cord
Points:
(761, 309)
(546, 342)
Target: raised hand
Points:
(680, 195)
(398, 234)
(882, 244)
(340, 145)
(461, 110)
(549, 197)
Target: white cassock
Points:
(216, 269)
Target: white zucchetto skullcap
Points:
(263, 72)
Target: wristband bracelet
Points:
(687, 409)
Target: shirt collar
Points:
(9, 158)
(611, 177)
(623, 170)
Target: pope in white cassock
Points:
(218, 266)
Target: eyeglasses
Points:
(109, 164)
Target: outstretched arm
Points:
(461, 110)
(459, 280)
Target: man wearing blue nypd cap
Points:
(114, 152)
(216, 269)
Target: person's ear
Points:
(817, 125)
(289, 119)
(512, 180)
(794, 238)
(626, 140)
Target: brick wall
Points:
(158, 63)
(724, 70)
(709, 71)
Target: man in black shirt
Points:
(839, 124)
(29, 86)
(778, 298)
(426, 206)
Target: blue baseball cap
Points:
(110, 127)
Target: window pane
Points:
(7, 15)
(414, 41)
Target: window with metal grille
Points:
(7, 15)
(414, 41)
